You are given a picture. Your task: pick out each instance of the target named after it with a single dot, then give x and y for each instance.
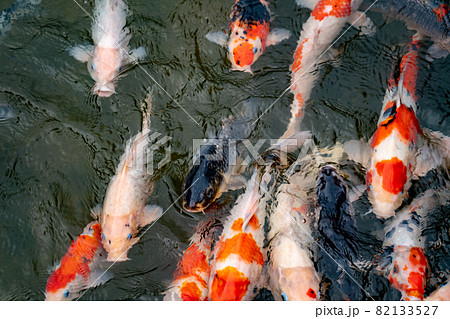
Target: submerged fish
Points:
(82, 267)
(190, 279)
(290, 266)
(328, 17)
(404, 262)
(110, 51)
(428, 17)
(249, 34)
(124, 208)
(338, 235)
(19, 9)
(216, 163)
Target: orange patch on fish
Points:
(237, 224)
(300, 103)
(298, 56)
(410, 70)
(417, 257)
(190, 291)
(243, 54)
(311, 294)
(335, 8)
(254, 222)
(441, 11)
(394, 175)
(243, 245)
(193, 262)
(416, 282)
(76, 260)
(229, 284)
(404, 121)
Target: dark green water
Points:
(59, 146)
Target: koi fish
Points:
(440, 294)
(238, 256)
(216, 164)
(428, 17)
(292, 275)
(237, 265)
(393, 144)
(124, 208)
(19, 9)
(338, 235)
(249, 34)
(81, 267)
(110, 51)
(327, 19)
(190, 280)
(404, 262)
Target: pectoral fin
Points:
(98, 277)
(358, 151)
(220, 38)
(82, 52)
(236, 182)
(149, 214)
(277, 35)
(362, 22)
(137, 54)
(96, 211)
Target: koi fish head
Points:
(243, 51)
(118, 235)
(62, 294)
(202, 186)
(330, 186)
(298, 284)
(104, 67)
(409, 272)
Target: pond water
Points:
(59, 145)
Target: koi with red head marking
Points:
(404, 262)
(249, 33)
(80, 268)
(191, 277)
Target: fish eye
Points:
(284, 296)
(92, 66)
(103, 237)
(66, 293)
(210, 193)
(129, 236)
(228, 49)
(119, 69)
(255, 49)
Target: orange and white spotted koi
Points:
(393, 144)
(238, 256)
(406, 265)
(124, 208)
(110, 51)
(81, 267)
(249, 33)
(292, 275)
(190, 280)
(440, 294)
(327, 19)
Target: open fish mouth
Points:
(104, 90)
(327, 172)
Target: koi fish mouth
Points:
(104, 90)
(193, 207)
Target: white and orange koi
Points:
(81, 267)
(238, 256)
(110, 51)
(327, 19)
(394, 142)
(440, 294)
(292, 275)
(124, 208)
(249, 33)
(406, 265)
(190, 279)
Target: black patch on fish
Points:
(250, 12)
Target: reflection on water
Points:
(60, 145)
